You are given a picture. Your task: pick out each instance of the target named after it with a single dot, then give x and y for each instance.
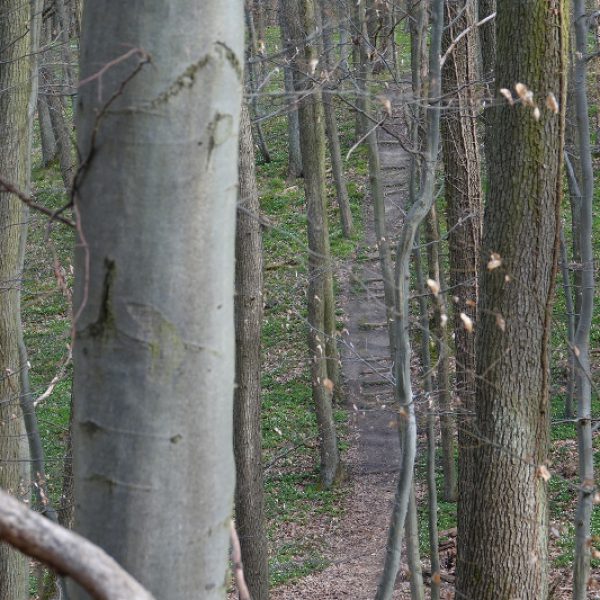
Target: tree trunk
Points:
(583, 541)
(293, 127)
(331, 128)
(247, 443)
(52, 90)
(60, 128)
(504, 549)
(403, 391)
(47, 138)
(344, 24)
(570, 320)
(487, 36)
(300, 19)
(447, 424)
(252, 74)
(15, 74)
(154, 341)
(361, 67)
(462, 189)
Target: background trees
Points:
(152, 203)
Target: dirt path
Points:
(357, 544)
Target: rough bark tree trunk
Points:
(47, 138)
(464, 211)
(15, 75)
(247, 442)
(252, 74)
(504, 549)
(331, 128)
(300, 18)
(293, 127)
(154, 350)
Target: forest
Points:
(298, 299)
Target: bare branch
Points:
(462, 35)
(238, 568)
(66, 552)
(7, 186)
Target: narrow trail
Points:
(357, 544)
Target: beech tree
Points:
(156, 193)
(503, 553)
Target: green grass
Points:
(46, 318)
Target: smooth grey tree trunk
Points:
(345, 42)
(570, 320)
(447, 422)
(361, 67)
(247, 441)
(154, 348)
(51, 90)
(15, 90)
(404, 396)
(426, 371)
(432, 503)
(581, 348)
(378, 199)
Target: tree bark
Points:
(447, 423)
(331, 128)
(487, 36)
(504, 550)
(583, 374)
(464, 211)
(293, 127)
(154, 349)
(15, 85)
(47, 138)
(251, 53)
(300, 19)
(247, 442)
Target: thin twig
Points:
(55, 380)
(462, 34)
(238, 567)
(30, 201)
